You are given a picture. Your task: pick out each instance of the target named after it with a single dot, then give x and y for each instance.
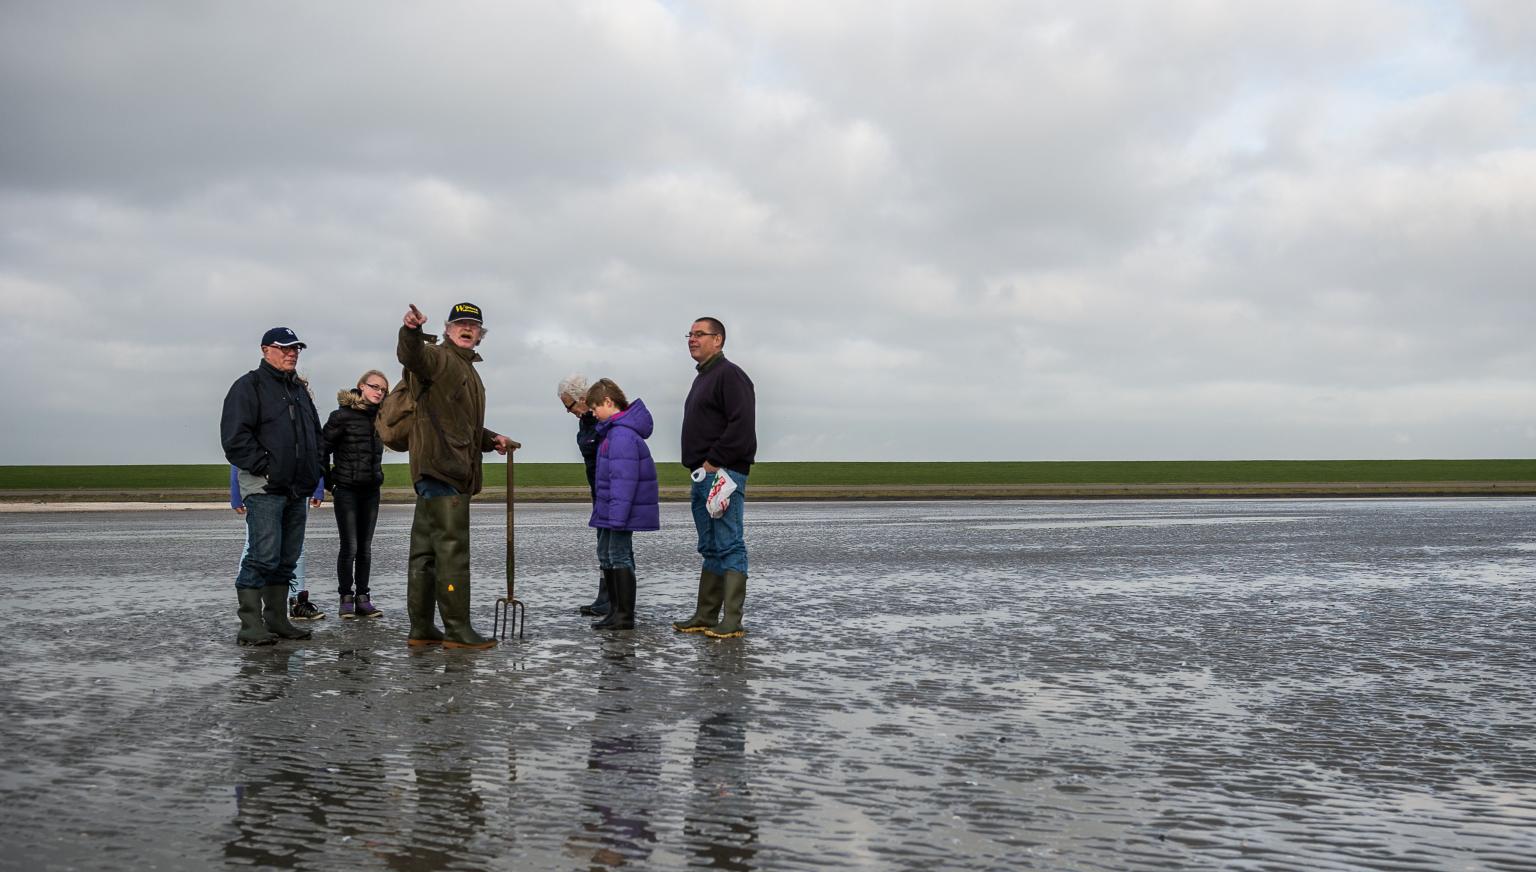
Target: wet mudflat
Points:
(1041, 685)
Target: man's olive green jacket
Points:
(448, 389)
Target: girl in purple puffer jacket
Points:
(627, 497)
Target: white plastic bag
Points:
(720, 491)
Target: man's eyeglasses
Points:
(699, 334)
(292, 349)
(380, 388)
(570, 405)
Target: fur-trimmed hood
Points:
(352, 446)
(352, 398)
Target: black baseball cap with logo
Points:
(282, 337)
(465, 312)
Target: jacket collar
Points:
(708, 364)
(468, 354)
(274, 372)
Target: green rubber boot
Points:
(730, 618)
(421, 582)
(621, 601)
(252, 630)
(707, 614)
(450, 533)
(274, 610)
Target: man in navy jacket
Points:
(271, 433)
(719, 433)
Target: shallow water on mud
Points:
(1041, 685)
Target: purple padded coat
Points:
(627, 495)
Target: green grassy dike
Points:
(878, 480)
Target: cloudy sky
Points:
(1003, 229)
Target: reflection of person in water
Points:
(720, 823)
(439, 818)
(283, 800)
(271, 782)
(449, 813)
(623, 771)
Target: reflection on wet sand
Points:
(623, 764)
(1323, 685)
(720, 825)
(440, 816)
(280, 799)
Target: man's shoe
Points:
(730, 616)
(364, 607)
(301, 609)
(347, 610)
(707, 614)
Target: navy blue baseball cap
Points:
(282, 337)
(465, 312)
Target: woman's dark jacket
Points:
(586, 442)
(353, 450)
(270, 428)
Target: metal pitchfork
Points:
(510, 610)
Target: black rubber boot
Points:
(252, 630)
(450, 535)
(730, 618)
(621, 602)
(707, 614)
(611, 613)
(599, 606)
(421, 582)
(274, 610)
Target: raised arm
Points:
(415, 349)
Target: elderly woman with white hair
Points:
(572, 391)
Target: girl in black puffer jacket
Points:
(354, 457)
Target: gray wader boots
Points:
(252, 630)
(450, 536)
(274, 610)
(707, 613)
(730, 617)
(621, 601)
(421, 582)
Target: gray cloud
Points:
(1038, 230)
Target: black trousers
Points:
(357, 512)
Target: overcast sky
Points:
(1189, 229)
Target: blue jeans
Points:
(722, 541)
(431, 488)
(274, 532)
(298, 568)
(615, 549)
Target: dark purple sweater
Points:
(720, 418)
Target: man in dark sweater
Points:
(719, 433)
